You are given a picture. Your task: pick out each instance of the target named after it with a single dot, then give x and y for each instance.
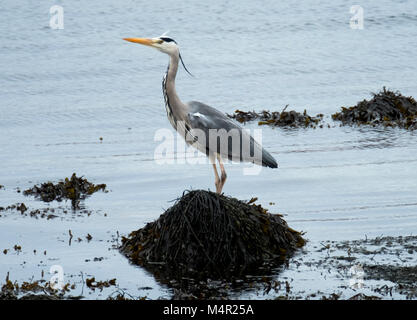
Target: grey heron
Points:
(188, 118)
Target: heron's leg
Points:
(216, 179)
(223, 171)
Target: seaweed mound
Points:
(386, 108)
(205, 234)
(74, 189)
(284, 118)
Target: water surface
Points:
(61, 90)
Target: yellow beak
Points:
(144, 41)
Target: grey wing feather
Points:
(204, 118)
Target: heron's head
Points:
(162, 43)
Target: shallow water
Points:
(61, 90)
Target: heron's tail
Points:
(268, 160)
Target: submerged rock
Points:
(205, 234)
(386, 108)
(74, 189)
(284, 118)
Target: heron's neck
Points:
(174, 107)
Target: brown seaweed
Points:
(74, 189)
(205, 234)
(292, 119)
(386, 108)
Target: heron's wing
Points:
(204, 118)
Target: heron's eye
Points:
(166, 39)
